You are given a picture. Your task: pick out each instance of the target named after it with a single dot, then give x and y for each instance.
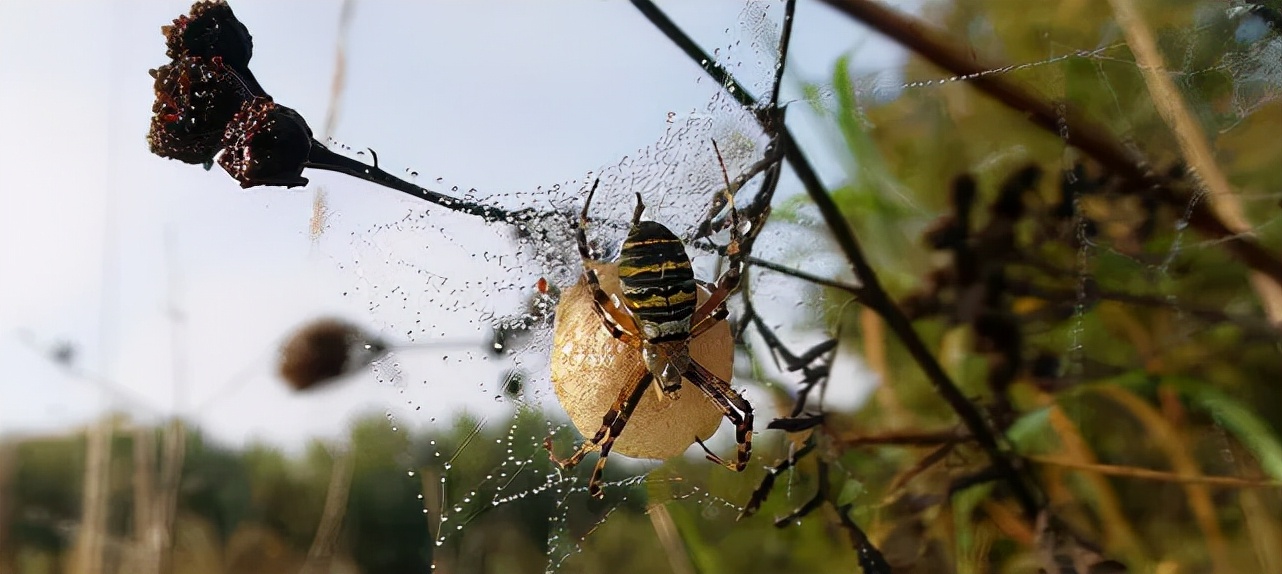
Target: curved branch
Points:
(1061, 120)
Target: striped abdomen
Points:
(657, 281)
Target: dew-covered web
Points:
(473, 302)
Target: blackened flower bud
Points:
(266, 144)
(194, 101)
(210, 30)
(325, 350)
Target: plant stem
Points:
(870, 292)
(322, 157)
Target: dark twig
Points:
(870, 292)
(875, 297)
(762, 491)
(785, 40)
(906, 439)
(815, 363)
(322, 157)
(797, 423)
(821, 495)
(691, 49)
(870, 559)
(802, 275)
(977, 478)
(1061, 120)
(931, 459)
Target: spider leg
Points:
(611, 426)
(733, 406)
(618, 321)
(714, 309)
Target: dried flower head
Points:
(210, 30)
(266, 144)
(324, 350)
(195, 100)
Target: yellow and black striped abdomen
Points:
(657, 282)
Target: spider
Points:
(660, 316)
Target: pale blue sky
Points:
(98, 237)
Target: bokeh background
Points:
(144, 428)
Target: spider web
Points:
(406, 272)
(427, 277)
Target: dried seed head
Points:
(590, 368)
(266, 144)
(210, 30)
(324, 350)
(194, 101)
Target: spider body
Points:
(659, 291)
(659, 315)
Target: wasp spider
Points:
(660, 315)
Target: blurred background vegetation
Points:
(1128, 359)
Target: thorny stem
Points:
(322, 157)
(870, 293)
(870, 559)
(1059, 119)
(817, 500)
(762, 491)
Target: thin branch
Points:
(931, 459)
(763, 489)
(870, 558)
(905, 439)
(875, 297)
(802, 275)
(322, 157)
(694, 52)
(990, 474)
(785, 40)
(1158, 475)
(821, 495)
(797, 423)
(871, 292)
(815, 364)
